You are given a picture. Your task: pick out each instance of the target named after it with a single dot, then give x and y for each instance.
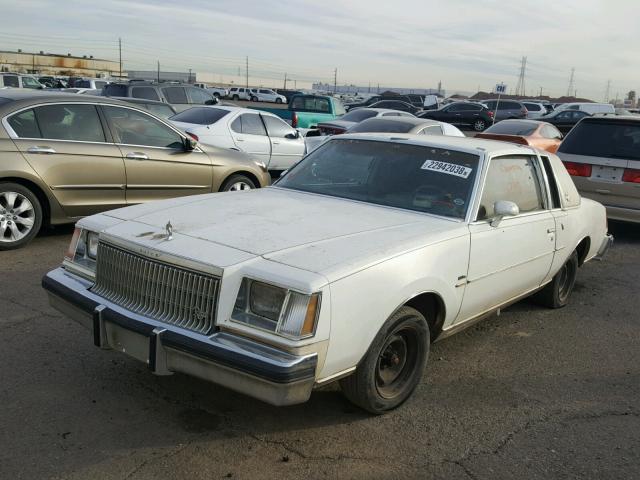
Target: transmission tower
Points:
(607, 91)
(520, 87)
(570, 88)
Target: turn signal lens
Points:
(71, 250)
(631, 175)
(299, 319)
(578, 169)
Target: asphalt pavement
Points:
(533, 393)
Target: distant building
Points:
(54, 64)
(356, 89)
(153, 76)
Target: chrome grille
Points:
(156, 290)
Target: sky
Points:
(465, 44)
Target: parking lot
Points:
(534, 393)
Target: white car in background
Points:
(401, 124)
(218, 92)
(262, 135)
(534, 109)
(238, 93)
(589, 107)
(266, 95)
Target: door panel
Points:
(284, 151)
(507, 260)
(156, 164)
(86, 178)
(250, 136)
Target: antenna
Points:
(570, 88)
(520, 87)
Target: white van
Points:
(590, 108)
(18, 80)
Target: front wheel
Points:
(278, 100)
(235, 97)
(479, 125)
(20, 215)
(557, 292)
(392, 368)
(254, 99)
(237, 183)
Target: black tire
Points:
(403, 340)
(235, 97)
(278, 100)
(34, 215)
(216, 94)
(231, 183)
(479, 125)
(557, 292)
(254, 99)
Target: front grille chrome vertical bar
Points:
(160, 291)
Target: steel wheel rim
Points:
(396, 363)
(479, 125)
(239, 186)
(565, 282)
(17, 217)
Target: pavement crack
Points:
(144, 463)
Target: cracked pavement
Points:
(533, 393)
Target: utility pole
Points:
(295, 84)
(540, 92)
(285, 80)
(120, 51)
(158, 71)
(606, 93)
(520, 87)
(189, 81)
(571, 88)
(335, 80)
(247, 71)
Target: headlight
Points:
(279, 310)
(82, 253)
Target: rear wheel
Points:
(392, 368)
(237, 183)
(236, 98)
(20, 215)
(479, 125)
(557, 292)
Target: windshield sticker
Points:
(448, 168)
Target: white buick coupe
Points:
(360, 256)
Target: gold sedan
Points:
(65, 156)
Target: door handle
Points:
(137, 156)
(41, 150)
(276, 143)
(239, 139)
(551, 230)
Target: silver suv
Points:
(602, 155)
(18, 80)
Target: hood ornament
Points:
(169, 229)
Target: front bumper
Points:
(606, 244)
(252, 368)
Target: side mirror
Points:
(190, 144)
(293, 135)
(213, 101)
(503, 208)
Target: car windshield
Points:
(412, 177)
(358, 115)
(381, 125)
(604, 139)
(512, 128)
(200, 115)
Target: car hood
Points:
(325, 235)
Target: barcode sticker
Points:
(448, 168)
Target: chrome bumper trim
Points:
(606, 244)
(274, 376)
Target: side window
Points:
(491, 105)
(236, 125)
(391, 114)
(266, 91)
(252, 125)
(25, 125)
(131, 127)
(513, 179)
(553, 186)
(11, 81)
(322, 105)
(550, 132)
(148, 93)
(30, 82)
(564, 116)
(99, 85)
(70, 122)
(199, 96)
(276, 127)
(175, 94)
(456, 108)
(432, 130)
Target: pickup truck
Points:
(306, 111)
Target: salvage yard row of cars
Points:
(382, 234)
